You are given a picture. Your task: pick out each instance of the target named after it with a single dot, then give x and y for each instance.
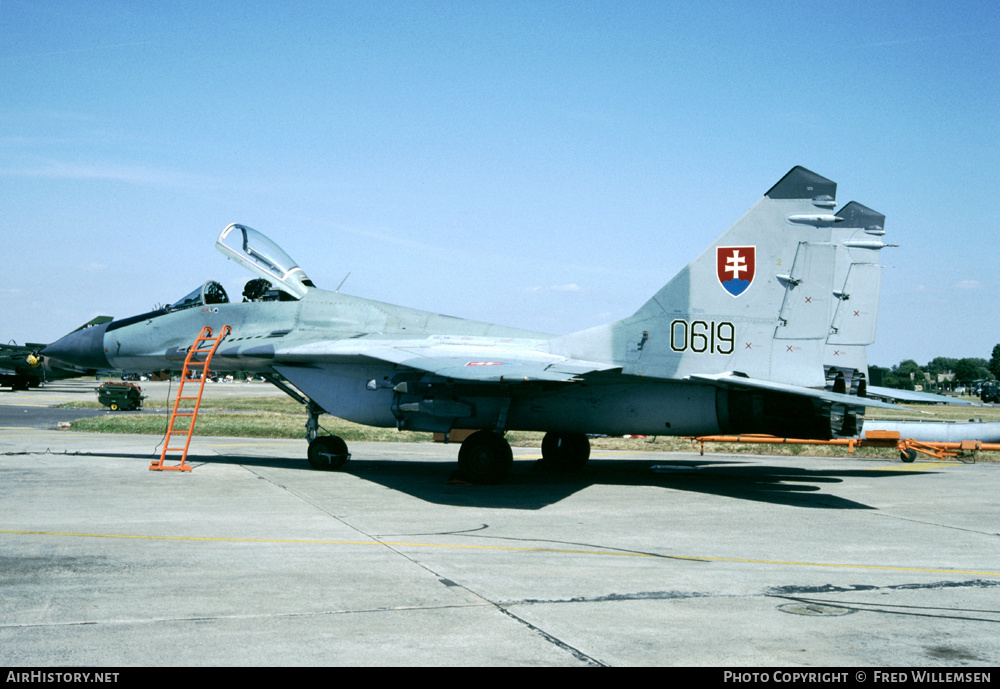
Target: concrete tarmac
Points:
(641, 559)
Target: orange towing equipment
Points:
(908, 448)
(190, 362)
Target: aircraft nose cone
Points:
(83, 348)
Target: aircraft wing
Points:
(476, 363)
(732, 380)
(918, 397)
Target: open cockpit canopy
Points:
(264, 258)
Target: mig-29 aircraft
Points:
(742, 340)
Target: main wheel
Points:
(328, 453)
(485, 457)
(565, 451)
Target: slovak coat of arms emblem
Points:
(735, 267)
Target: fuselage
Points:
(271, 336)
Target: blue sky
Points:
(547, 165)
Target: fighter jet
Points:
(23, 366)
(737, 342)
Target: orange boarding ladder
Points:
(190, 362)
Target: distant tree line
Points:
(940, 374)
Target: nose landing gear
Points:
(328, 453)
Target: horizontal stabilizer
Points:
(731, 380)
(919, 397)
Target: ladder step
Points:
(190, 364)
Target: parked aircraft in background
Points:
(23, 366)
(738, 342)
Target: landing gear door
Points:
(263, 257)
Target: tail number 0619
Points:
(702, 337)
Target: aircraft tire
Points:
(564, 451)
(485, 458)
(328, 453)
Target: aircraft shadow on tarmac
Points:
(531, 488)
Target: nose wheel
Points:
(328, 453)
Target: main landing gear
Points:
(485, 457)
(564, 451)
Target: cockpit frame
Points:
(209, 293)
(254, 251)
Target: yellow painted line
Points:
(837, 565)
(570, 551)
(320, 542)
(602, 453)
(26, 433)
(203, 442)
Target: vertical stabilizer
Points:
(759, 301)
(857, 281)
(858, 278)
